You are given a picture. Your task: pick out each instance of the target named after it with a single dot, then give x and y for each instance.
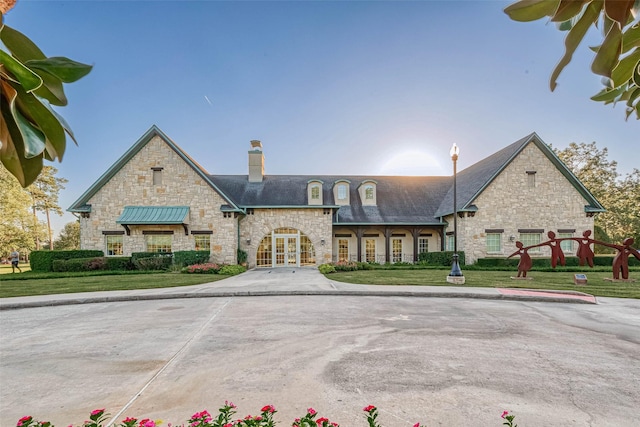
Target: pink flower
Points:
(504, 414)
(129, 420)
(335, 425)
(24, 420)
(368, 408)
(322, 420)
(147, 423)
(269, 408)
(97, 411)
(416, 425)
(228, 425)
(229, 404)
(311, 411)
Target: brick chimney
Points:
(256, 162)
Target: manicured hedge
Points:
(184, 258)
(42, 261)
(444, 258)
(570, 261)
(79, 264)
(137, 255)
(119, 263)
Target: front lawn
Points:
(557, 280)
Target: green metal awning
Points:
(154, 215)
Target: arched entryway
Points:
(285, 247)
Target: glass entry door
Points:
(286, 250)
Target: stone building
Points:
(156, 198)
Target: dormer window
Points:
(314, 192)
(341, 192)
(367, 192)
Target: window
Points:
(396, 245)
(566, 245)
(343, 250)
(370, 250)
(264, 254)
(203, 242)
(423, 245)
(114, 245)
(530, 239)
(494, 242)
(315, 192)
(342, 192)
(157, 176)
(307, 252)
(159, 243)
(450, 244)
(368, 192)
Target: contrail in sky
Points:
(205, 97)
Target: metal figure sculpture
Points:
(584, 253)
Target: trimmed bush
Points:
(345, 265)
(138, 255)
(42, 261)
(326, 268)
(231, 270)
(184, 258)
(153, 263)
(79, 264)
(120, 263)
(208, 268)
(444, 258)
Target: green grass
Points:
(6, 268)
(596, 285)
(61, 283)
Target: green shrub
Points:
(444, 258)
(184, 258)
(242, 256)
(326, 268)
(79, 264)
(231, 270)
(345, 265)
(120, 263)
(153, 263)
(138, 255)
(42, 261)
(208, 268)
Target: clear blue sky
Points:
(353, 87)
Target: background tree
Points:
(31, 131)
(69, 237)
(17, 227)
(621, 197)
(617, 59)
(44, 193)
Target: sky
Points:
(329, 87)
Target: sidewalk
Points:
(292, 281)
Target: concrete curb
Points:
(549, 296)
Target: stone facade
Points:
(519, 199)
(133, 185)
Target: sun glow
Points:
(412, 163)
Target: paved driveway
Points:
(440, 361)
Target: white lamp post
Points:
(455, 276)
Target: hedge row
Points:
(95, 263)
(570, 261)
(42, 261)
(444, 258)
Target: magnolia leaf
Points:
(20, 45)
(531, 10)
(625, 68)
(634, 97)
(51, 89)
(36, 113)
(27, 78)
(631, 38)
(609, 95)
(65, 69)
(574, 37)
(61, 120)
(567, 9)
(619, 10)
(607, 57)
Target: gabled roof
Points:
(81, 205)
(472, 181)
(400, 199)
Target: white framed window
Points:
(494, 242)
(342, 192)
(202, 242)
(114, 245)
(530, 239)
(370, 250)
(423, 245)
(315, 192)
(159, 242)
(450, 243)
(343, 250)
(396, 250)
(566, 245)
(368, 192)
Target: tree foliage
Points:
(620, 196)
(31, 131)
(617, 59)
(69, 237)
(44, 193)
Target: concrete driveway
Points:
(437, 361)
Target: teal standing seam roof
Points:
(139, 215)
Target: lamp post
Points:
(455, 276)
